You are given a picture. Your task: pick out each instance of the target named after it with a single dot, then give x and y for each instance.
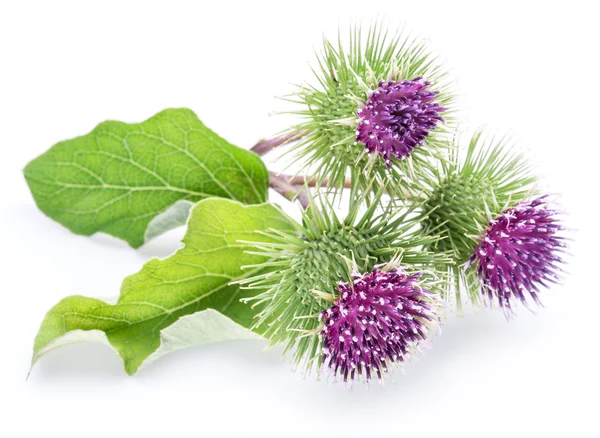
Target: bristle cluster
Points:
(375, 80)
(315, 261)
(316, 258)
(464, 193)
(453, 209)
(379, 319)
(397, 118)
(519, 252)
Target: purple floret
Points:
(519, 253)
(378, 319)
(397, 118)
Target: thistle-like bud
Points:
(375, 113)
(380, 318)
(304, 268)
(465, 194)
(518, 252)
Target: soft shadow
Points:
(79, 362)
(105, 240)
(26, 216)
(462, 336)
(163, 245)
(246, 354)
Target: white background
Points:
(527, 68)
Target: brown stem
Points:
(266, 145)
(287, 190)
(311, 181)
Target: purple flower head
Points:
(378, 319)
(397, 117)
(519, 253)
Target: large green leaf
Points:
(134, 181)
(166, 305)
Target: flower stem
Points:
(311, 181)
(290, 192)
(266, 145)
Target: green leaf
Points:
(135, 181)
(168, 299)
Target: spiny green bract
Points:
(312, 261)
(465, 194)
(456, 205)
(346, 77)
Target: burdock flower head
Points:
(397, 118)
(380, 318)
(464, 195)
(374, 111)
(519, 252)
(301, 276)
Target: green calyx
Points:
(467, 192)
(346, 76)
(318, 265)
(310, 262)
